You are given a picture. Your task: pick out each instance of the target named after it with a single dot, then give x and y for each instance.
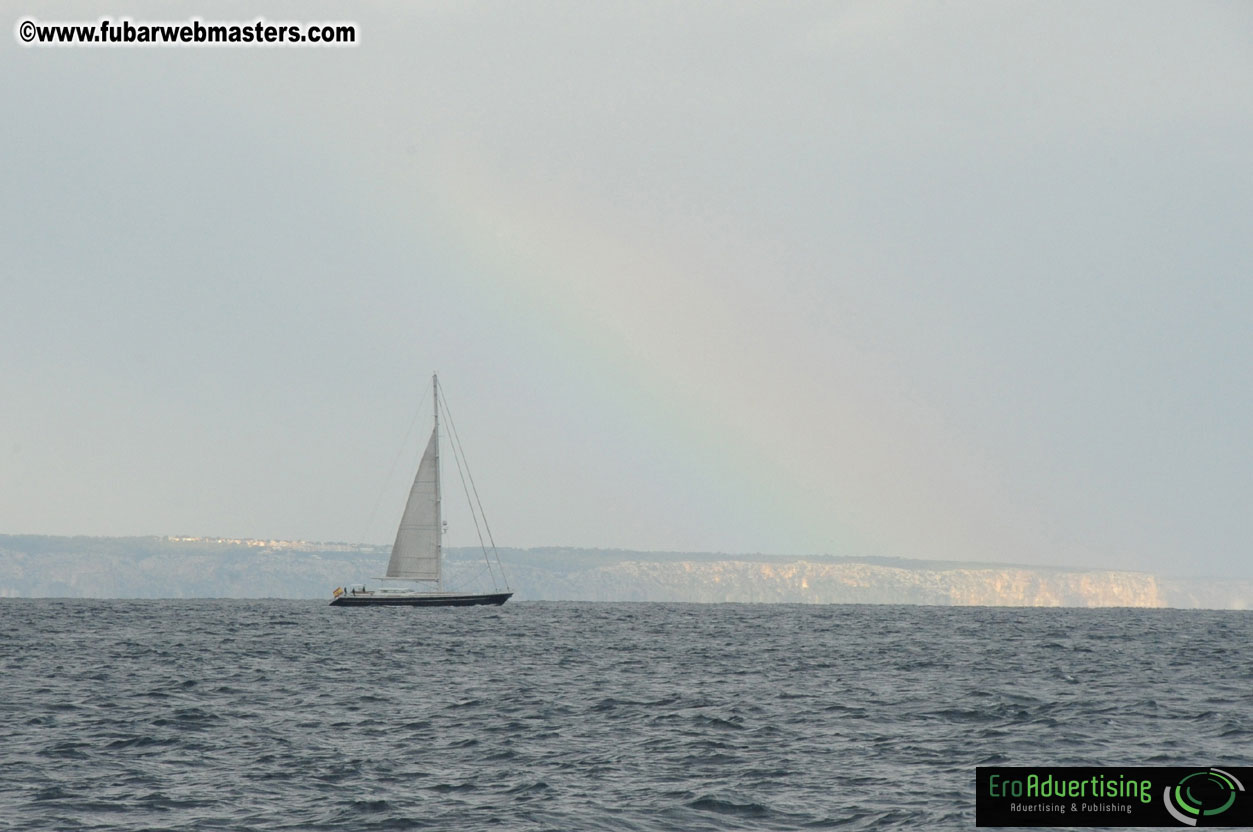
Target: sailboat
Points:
(417, 554)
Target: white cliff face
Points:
(828, 583)
(37, 566)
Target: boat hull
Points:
(419, 599)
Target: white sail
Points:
(416, 552)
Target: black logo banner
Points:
(1114, 796)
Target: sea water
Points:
(268, 715)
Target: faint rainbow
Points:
(628, 310)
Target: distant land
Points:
(36, 566)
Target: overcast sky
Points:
(938, 280)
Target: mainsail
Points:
(416, 552)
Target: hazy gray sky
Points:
(959, 280)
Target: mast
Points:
(439, 526)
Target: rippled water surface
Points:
(265, 715)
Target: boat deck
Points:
(392, 598)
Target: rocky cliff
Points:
(156, 567)
(809, 582)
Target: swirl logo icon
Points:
(1202, 795)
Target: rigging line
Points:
(459, 454)
(469, 473)
(387, 480)
(457, 439)
(452, 431)
(463, 582)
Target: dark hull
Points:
(393, 599)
